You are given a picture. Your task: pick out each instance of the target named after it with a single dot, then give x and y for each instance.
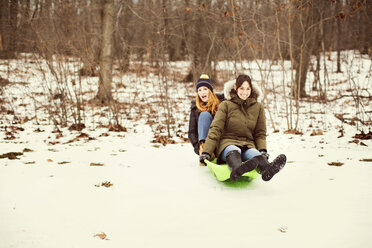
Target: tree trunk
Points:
(366, 20)
(169, 48)
(184, 49)
(201, 44)
(4, 8)
(45, 30)
(25, 28)
(13, 17)
(90, 57)
(302, 67)
(104, 94)
(367, 27)
(304, 45)
(124, 36)
(339, 36)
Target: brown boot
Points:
(201, 148)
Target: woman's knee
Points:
(250, 153)
(205, 116)
(232, 147)
(228, 149)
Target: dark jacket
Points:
(237, 122)
(193, 123)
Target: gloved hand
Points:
(265, 154)
(204, 156)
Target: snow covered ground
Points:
(121, 190)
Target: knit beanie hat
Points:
(204, 81)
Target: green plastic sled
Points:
(222, 171)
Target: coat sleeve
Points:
(260, 130)
(193, 131)
(216, 129)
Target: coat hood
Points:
(229, 85)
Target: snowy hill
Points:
(100, 188)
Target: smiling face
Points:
(203, 93)
(244, 91)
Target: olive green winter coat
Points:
(237, 122)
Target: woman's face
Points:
(244, 91)
(203, 93)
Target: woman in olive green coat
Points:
(237, 134)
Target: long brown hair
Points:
(212, 103)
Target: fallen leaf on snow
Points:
(11, 155)
(64, 162)
(106, 184)
(293, 131)
(363, 136)
(316, 132)
(335, 164)
(101, 235)
(366, 160)
(77, 127)
(164, 140)
(283, 229)
(81, 136)
(96, 164)
(10, 137)
(117, 128)
(59, 135)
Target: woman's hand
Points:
(204, 156)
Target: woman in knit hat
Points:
(237, 134)
(203, 110)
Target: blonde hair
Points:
(212, 103)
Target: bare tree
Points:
(339, 34)
(4, 10)
(92, 25)
(8, 28)
(104, 94)
(201, 41)
(366, 17)
(24, 26)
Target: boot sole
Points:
(277, 164)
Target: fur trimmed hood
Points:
(229, 85)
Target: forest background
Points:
(94, 106)
(104, 38)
